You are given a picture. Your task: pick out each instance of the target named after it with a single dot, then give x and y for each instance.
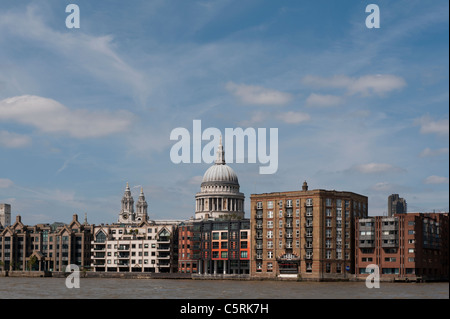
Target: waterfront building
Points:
(404, 246)
(219, 194)
(5, 215)
(396, 205)
(215, 247)
(304, 233)
(49, 247)
(150, 246)
(188, 247)
(135, 243)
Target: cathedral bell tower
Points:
(141, 208)
(127, 214)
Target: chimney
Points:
(305, 186)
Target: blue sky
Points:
(84, 111)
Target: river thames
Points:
(106, 288)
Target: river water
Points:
(102, 288)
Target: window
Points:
(259, 205)
(269, 224)
(289, 203)
(270, 204)
(270, 254)
(297, 203)
(270, 214)
(309, 202)
(269, 234)
(100, 238)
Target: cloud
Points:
(257, 95)
(6, 183)
(375, 168)
(436, 180)
(13, 140)
(323, 100)
(429, 152)
(293, 117)
(366, 85)
(428, 126)
(50, 116)
(97, 56)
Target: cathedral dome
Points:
(220, 173)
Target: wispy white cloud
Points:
(366, 85)
(97, 56)
(436, 180)
(66, 163)
(6, 183)
(323, 100)
(293, 117)
(258, 95)
(375, 168)
(429, 152)
(50, 116)
(13, 140)
(430, 126)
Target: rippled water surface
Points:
(92, 288)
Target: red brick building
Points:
(411, 246)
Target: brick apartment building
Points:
(404, 246)
(49, 247)
(215, 247)
(305, 233)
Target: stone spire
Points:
(141, 207)
(127, 211)
(220, 153)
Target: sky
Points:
(85, 110)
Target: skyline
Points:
(84, 111)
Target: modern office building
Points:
(5, 215)
(404, 246)
(396, 205)
(50, 247)
(304, 233)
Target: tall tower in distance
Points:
(141, 208)
(127, 212)
(396, 205)
(5, 215)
